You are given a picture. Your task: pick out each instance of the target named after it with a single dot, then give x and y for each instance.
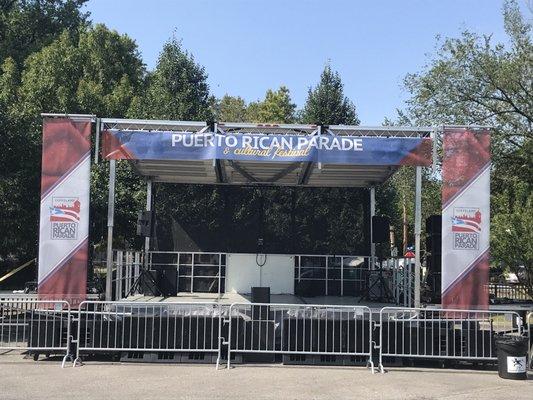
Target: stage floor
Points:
(230, 298)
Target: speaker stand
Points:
(145, 274)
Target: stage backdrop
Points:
(465, 218)
(64, 222)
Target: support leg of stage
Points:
(110, 219)
(148, 208)
(418, 229)
(372, 213)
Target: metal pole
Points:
(418, 229)
(372, 213)
(148, 208)
(97, 141)
(110, 218)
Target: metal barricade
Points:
(304, 329)
(435, 333)
(148, 327)
(38, 326)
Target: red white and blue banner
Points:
(327, 149)
(465, 218)
(64, 221)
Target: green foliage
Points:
(472, 80)
(177, 89)
(95, 71)
(326, 103)
(511, 233)
(339, 215)
(276, 108)
(28, 25)
(231, 109)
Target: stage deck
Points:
(230, 298)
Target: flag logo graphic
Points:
(466, 227)
(65, 217)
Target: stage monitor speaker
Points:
(167, 280)
(144, 223)
(380, 229)
(260, 294)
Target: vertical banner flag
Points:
(465, 218)
(64, 222)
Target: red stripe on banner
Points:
(465, 155)
(463, 188)
(113, 149)
(63, 177)
(65, 144)
(469, 289)
(420, 155)
(70, 277)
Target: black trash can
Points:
(512, 356)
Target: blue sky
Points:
(248, 47)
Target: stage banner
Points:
(327, 149)
(465, 218)
(64, 221)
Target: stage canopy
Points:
(263, 154)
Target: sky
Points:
(250, 46)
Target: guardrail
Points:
(147, 327)
(38, 326)
(126, 271)
(443, 333)
(304, 329)
(46, 326)
(500, 291)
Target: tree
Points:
(512, 236)
(95, 71)
(276, 108)
(472, 80)
(334, 220)
(326, 103)
(28, 25)
(177, 89)
(232, 109)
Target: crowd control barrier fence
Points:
(299, 329)
(443, 333)
(147, 327)
(51, 327)
(37, 326)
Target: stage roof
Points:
(246, 172)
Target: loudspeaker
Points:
(167, 281)
(434, 225)
(260, 295)
(145, 223)
(380, 229)
(434, 243)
